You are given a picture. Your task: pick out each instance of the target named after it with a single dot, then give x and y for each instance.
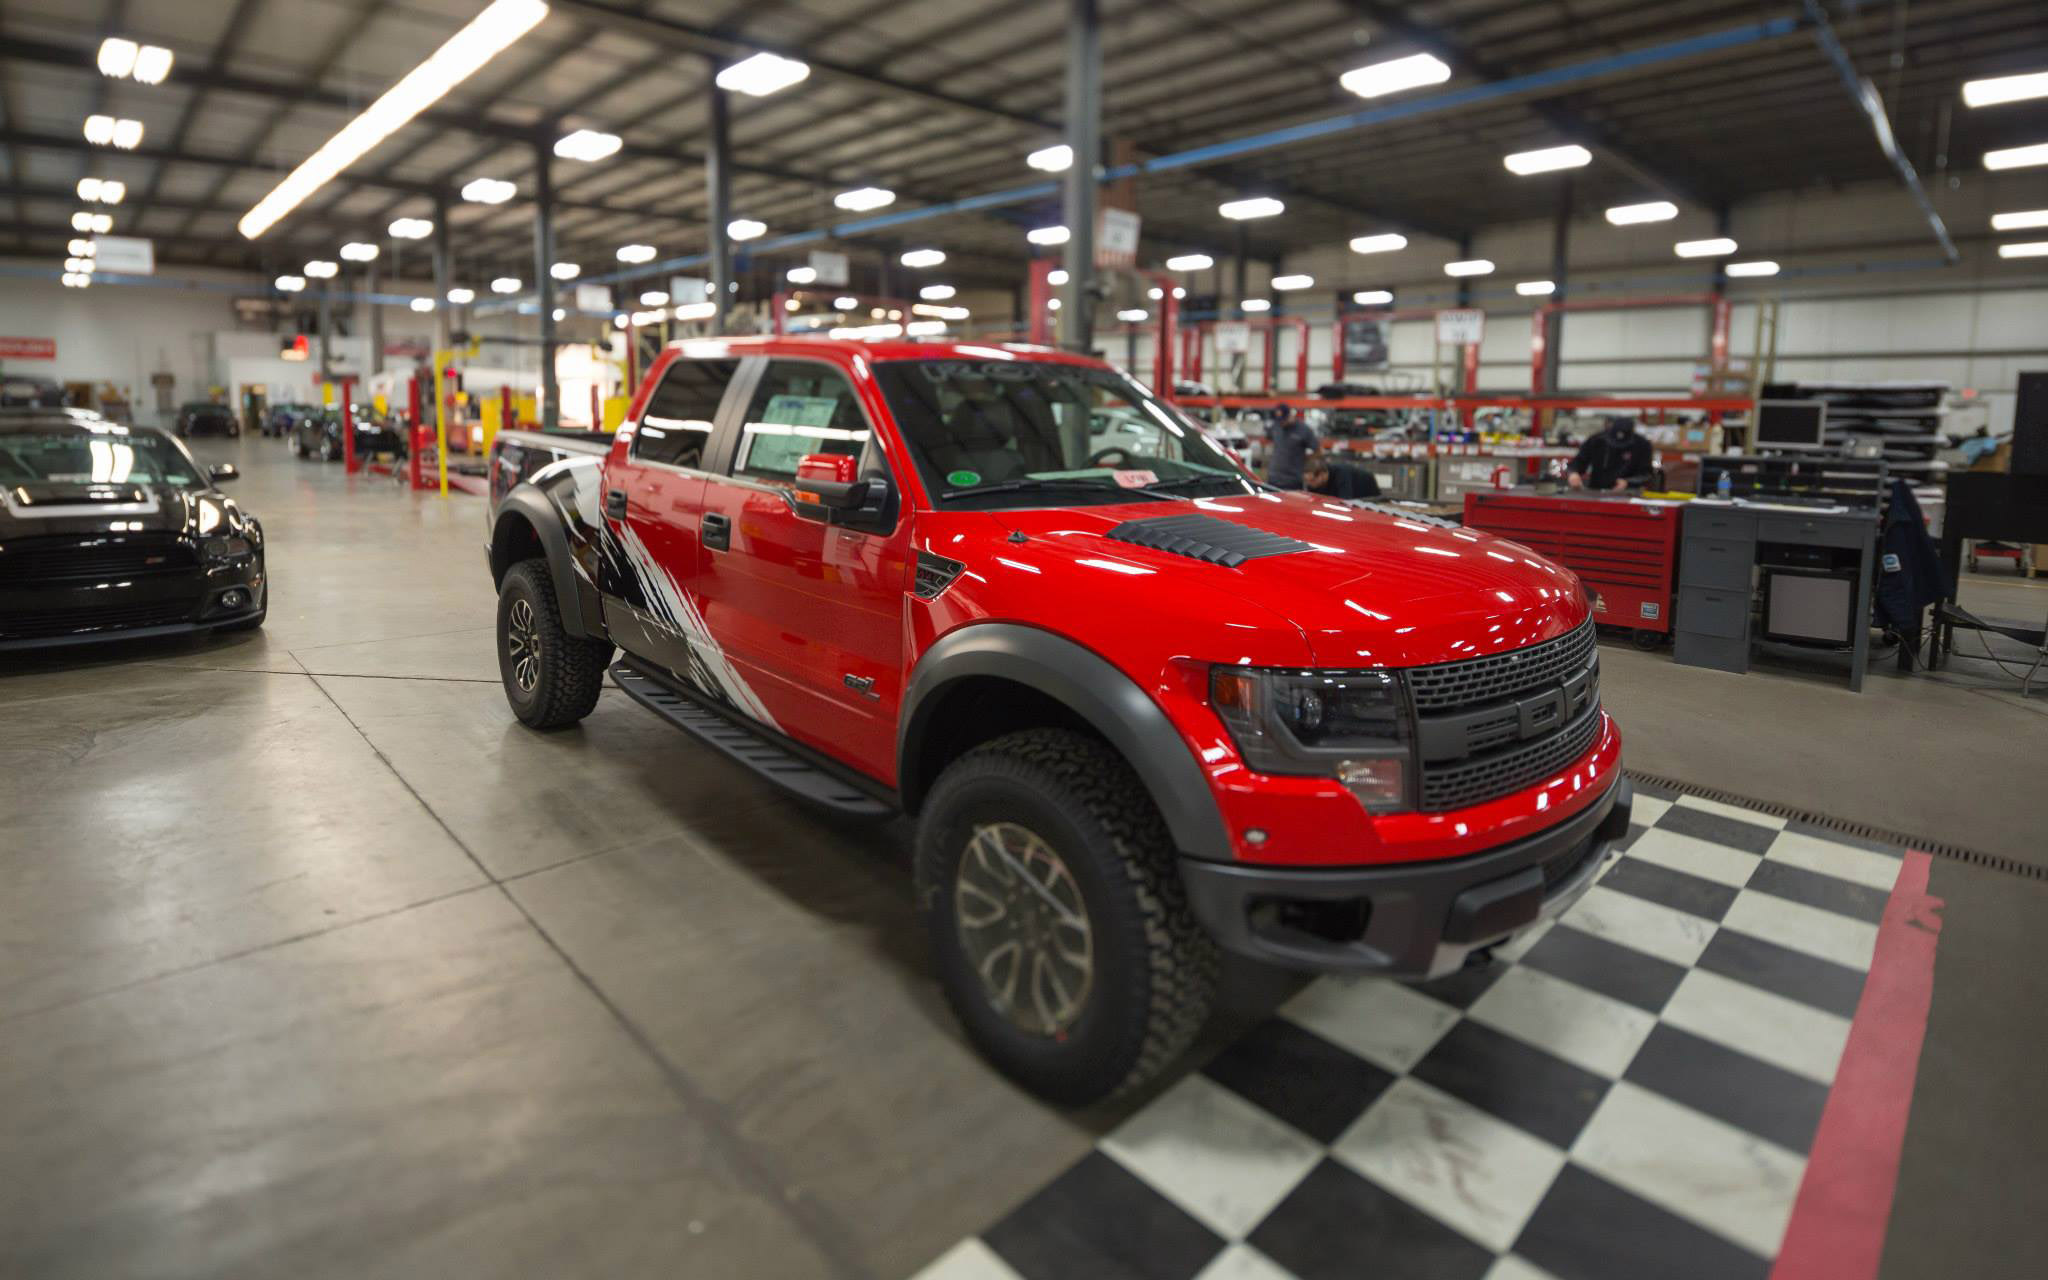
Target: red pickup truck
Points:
(1141, 706)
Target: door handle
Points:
(717, 532)
(615, 503)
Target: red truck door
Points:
(653, 496)
(809, 609)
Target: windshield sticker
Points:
(961, 479)
(801, 411)
(1135, 479)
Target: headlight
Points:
(1351, 725)
(221, 550)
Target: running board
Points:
(775, 763)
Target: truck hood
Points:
(38, 508)
(1368, 589)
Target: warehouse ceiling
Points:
(943, 99)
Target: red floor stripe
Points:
(1838, 1222)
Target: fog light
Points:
(234, 599)
(1379, 783)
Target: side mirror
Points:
(221, 472)
(828, 480)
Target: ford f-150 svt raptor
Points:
(1140, 705)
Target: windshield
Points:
(1025, 432)
(103, 455)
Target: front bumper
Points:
(1413, 920)
(48, 616)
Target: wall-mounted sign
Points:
(28, 348)
(1116, 239)
(130, 255)
(687, 289)
(1233, 337)
(594, 298)
(831, 267)
(1461, 327)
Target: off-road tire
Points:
(571, 669)
(1155, 965)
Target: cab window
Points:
(798, 407)
(676, 425)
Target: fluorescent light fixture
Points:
(117, 57)
(421, 305)
(1536, 288)
(1386, 243)
(1253, 207)
(77, 280)
(1763, 268)
(943, 313)
(1256, 304)
(99, 130)
(78, 264)
(1469, 267)
(648, 317)
(560, 313)
(488, 191)
(89, 190)
(359, 251)
(863, 199)
(936, 292)
(1984, 93)
(1719, 247)
(412, 228)
(924, 328)
(1190, 262)
(102, 190)
(1629, 215)
(505, 284)
(696, 310)
(1294, 282)
(1056, 277)
(565, 271)
(745, 229)
(1133, 315)
(82, 248)
(636, 253)
(1382, 78)
(461, 297)
(845, 304)
(152, 64)
(81, 221)
(2022, 221)
(127, 134)
(320, 269)
(2017, 157)
(289, 284)
(654, 298)
(95, 223)
(1047, 235)
(2028, 249)
(801, 275)
(1372, 297)
(501, 23)
(587, 145)
(1548, 160)
(1056, 159)
(763, 74)
(923, 258)
(1052, 304)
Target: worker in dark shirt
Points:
(1612, 460)
(1339, 479)
(1290, 440)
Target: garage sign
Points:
(131, 255)
(28, 348)
(1462, 327)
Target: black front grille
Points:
(1477, 680)
(40, 560)
(34, 624)
(1495, 773)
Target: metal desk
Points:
(1717, 564)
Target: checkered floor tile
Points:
(1632, 1094)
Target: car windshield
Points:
(101, 455)
(1027, 432)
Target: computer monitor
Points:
(1797, 424)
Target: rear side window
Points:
(676, 424)
(798, 408)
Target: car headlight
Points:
(222, 550)
(1351, 725)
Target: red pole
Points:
(1169, 333)
(1538, 341)
(348, 427)
(418, 432)
(506, 419)
(1471, 379)
(776, 309)
(1301, 357)
(596, 409)
(1337, 349)
(1039, 323)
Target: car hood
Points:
(1364, 588)
(41, 508)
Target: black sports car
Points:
(110, 532)
(284, 419)
(204, 418)
(319, 435)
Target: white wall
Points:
(118, 335)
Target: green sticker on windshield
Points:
(961, 479)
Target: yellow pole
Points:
(441, 419)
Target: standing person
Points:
(1612, 460)
(1290, 440)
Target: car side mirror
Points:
(829, 480)
(222, 472)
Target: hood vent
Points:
(934, 575)
(1206, 538)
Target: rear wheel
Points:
(551, 678)
(1059, 926)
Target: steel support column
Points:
(1084, 135)
(718, 197)
(326, 328)
(544, 284)
(1560, 255)
(376, 325)
(442, 268)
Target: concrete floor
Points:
(313, 962)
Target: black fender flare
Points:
(581, 614)
(1091, 688)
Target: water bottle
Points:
(1724, 486)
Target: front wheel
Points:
(551, 678)
(1059, 926)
